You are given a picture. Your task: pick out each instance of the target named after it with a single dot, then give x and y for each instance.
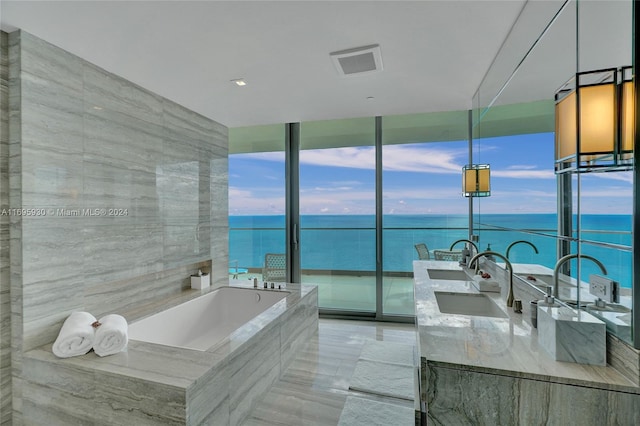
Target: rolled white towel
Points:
(76, 336)
(112, 335)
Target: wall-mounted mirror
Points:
(513, 131)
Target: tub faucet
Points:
(508, 265)
(518, 242)
(466, 241)
(566, 258)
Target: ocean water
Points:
(347, 242)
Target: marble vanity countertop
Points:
(506, 346)
(174, 366)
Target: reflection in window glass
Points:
(523, 197)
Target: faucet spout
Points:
(475, 258)
(520, 242)
(466, 241)
(567, 258)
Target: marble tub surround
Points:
(153, 384)
(463, 352)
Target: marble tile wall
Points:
(131, 190)
(5, 305)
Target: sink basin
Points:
(468, 304)
(447, 274)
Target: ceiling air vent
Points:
(358, 61)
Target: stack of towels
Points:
(81, 332)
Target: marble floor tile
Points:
(314, 388)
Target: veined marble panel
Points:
(206, 404)
(127, 195)
(136, 405)
(220, 146)
(43, 405)
(194, 125)
(220, 256)
(188, 135)
(182, 244)
(465, 397)
(5, 300)
(134, 297)
(118, 140)
(179, 190)
(52, 259)
(623, 358)
(43, 59)
(51, 145)
(219, 190)
(15, 230)
(127, 100)
(572, 336)
(252, 371)
(51, 180)
(109, 251)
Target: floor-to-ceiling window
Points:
(422, 159)
(337, 212)
(256, 198)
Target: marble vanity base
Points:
(572, 336)
(464, 397)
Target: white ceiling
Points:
(435, 53)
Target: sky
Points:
(421, 178)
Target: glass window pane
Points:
(422, 161)
(256, 198)
(337, 212)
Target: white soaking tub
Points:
(203, 322)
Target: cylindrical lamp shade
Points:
(628, 117)
(566, 142)
(476, 180)
(597, 121)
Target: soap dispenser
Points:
(465, 256)
(489, 256)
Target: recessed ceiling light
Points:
(239, 82)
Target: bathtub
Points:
(165, 383)
(202, 323)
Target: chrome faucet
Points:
(518, 242)
(466, 241)
(566, 258)
(508, 265)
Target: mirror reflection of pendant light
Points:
(594, 122)
(476, 180)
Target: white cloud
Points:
(621, 176)
(395, 158)
(522, 167)
(524, 174)
(333, 188)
